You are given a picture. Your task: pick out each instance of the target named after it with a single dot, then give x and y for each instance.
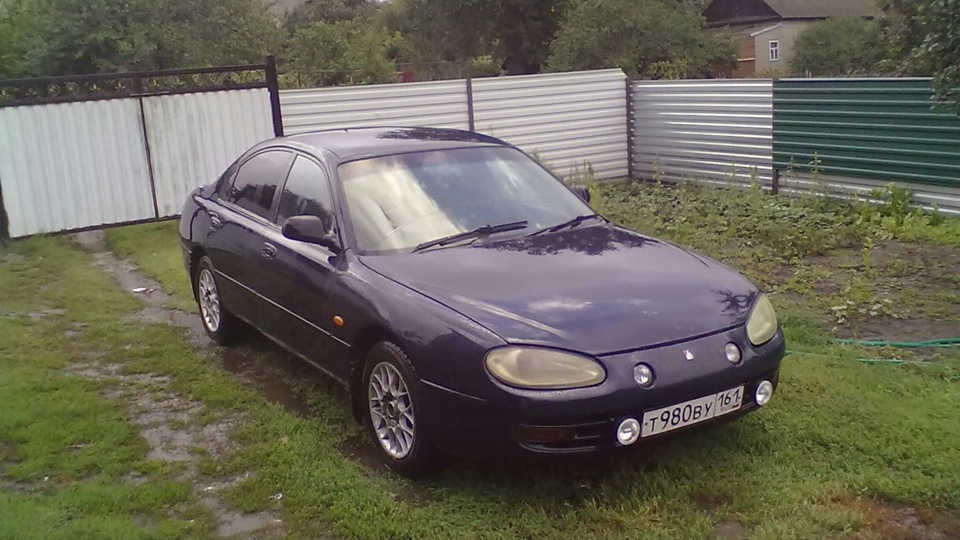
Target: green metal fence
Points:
(880, 129)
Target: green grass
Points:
(837, 429)
(65, 451)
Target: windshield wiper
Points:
(567, 224)
(486, 230)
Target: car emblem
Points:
(688, 354)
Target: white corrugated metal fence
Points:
(428, 104)
(66, 166)
(71, 165)
(706, 130)
(195, 137)
(572, 121)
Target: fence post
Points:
(631, 120)
(470, 120)
(151, 175)
(273, 85)
(4, 221)
(775, 176)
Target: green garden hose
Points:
(930, 344)
(891, 361)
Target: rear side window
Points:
(256, 182)
(306, 193)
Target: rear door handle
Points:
(215, 222)
(269, 251)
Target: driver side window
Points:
(306, 193)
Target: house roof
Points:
(808, 9)
(752, 30)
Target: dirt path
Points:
(171, 424)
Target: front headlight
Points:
(762, 325)
(543, 369)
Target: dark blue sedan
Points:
(468, 300)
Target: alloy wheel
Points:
(209, 300)
(391, 410)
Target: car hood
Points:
(596, 289)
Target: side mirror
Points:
(310, 229)
(583, 192)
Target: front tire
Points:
(395, 412)
(220, 324)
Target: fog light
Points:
(733, 353)
(643, 374)
(628, 432)
(764, 392)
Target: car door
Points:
(239, 224)
(301, 271)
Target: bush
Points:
(659, 39)
(344, 52)
(839, 46)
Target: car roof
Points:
(356, 143)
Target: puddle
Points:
(272, 387)
(902, 522)
(188, 321)
(709, 503)
(34, 316)
(232, 524)
(14, 486)
(361, 450)
(728, 530)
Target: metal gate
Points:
(88, 151)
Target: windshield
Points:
(398, 202)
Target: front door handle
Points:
(269, 251)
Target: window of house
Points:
(774, 50)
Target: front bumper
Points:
(585, 419)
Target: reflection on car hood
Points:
(596, 289)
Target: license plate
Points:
(691, 412)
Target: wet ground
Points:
(892, 521)
(273, 388)
(170, 424)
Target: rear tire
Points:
(394, 412)
(221, 325)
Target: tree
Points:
(9, 16)
(838, 46)
(515, 32)
(63, 37)
(343, 52)
(307, 13)
(923, 38)
(645, 38)
(941, 45)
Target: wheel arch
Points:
(196, 254)
(365, 340)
